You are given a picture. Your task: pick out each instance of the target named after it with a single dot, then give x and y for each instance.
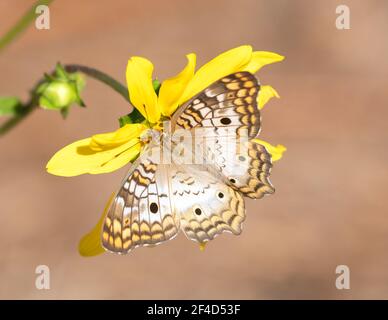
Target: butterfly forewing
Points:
(231, 103)
(221, 117)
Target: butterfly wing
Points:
(245, 165)
(142, 213)
(206, 206)
(230, 103)
(220, 118)
(156, 201)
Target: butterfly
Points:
(158, 200)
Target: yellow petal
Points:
(109, 140)
(171, 89)
(119, 161)
(90, 244)
(226, 63)
(140, 88)
(265, 94)
(275, 151)
(260, 59)
(78, 158)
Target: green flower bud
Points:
(57, 95)
(60, 90)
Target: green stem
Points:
(23, 113)
(103, 77)
(33, 103)
(22, 24)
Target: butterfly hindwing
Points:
(141, 213)
(149, 211)
(207, 207)
(246, 165)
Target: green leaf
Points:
(134, 117)
(9, 105)
(124, 120)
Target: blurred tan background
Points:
(330, 207)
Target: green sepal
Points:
(64, 112)
(156, 84)
(60, 73)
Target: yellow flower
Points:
(265, 94)
(101, 153)
(90, 245)
(275, 151)
(107, 152)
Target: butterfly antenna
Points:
(148, 122)
(145, 110)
